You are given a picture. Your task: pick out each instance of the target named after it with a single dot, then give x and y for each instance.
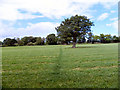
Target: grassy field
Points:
(60, 66)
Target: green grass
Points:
(60, 66)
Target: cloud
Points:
(113, 19)
(114, 24)
(108, 24)
(48, 8)
(41, 29)
(103, 16)
(112, 11)
(108, 3)
(11, 14)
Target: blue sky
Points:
(19, 18)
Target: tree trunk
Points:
(74, 45)
(74, 42)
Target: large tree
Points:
(64, 40)
(74, 27)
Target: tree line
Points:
(52, 39)
(76, 29)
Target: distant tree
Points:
(6, 42)
(25, 40)
(1, 43)
(96, 38)
(108, 38)
(33, 39)
(28, 40)
(115, 39)
(38, 41)
(102, 38)
(118, 38)
(74, 27)
(51, 39)
(89, 37)
(9, 42)
(20, 42)
(43, 41)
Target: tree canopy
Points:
(74, 27)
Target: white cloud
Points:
(12, 14)
(113, 19)
(103, 16)
(39, 29)
(114, 24)
(48, 8)
(108, 24)
(112, 11)
(109, 3)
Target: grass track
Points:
(88, 66)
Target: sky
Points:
(19, 18)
